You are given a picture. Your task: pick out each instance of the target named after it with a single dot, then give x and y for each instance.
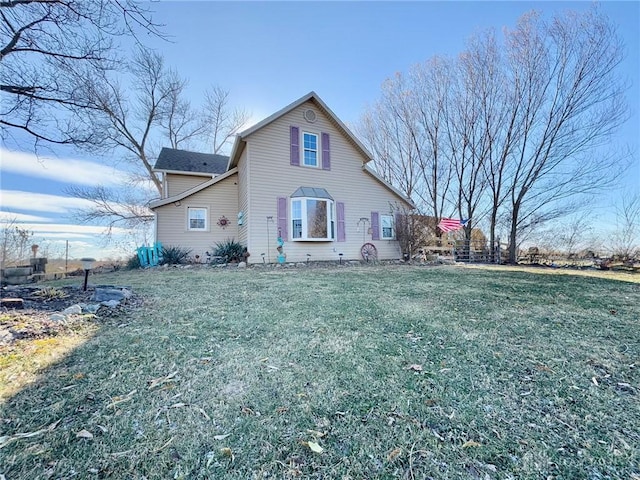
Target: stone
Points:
(6, 336)
(301, 264)
(14, 303)
(242, 265)
(110, 303)
(106, 294)
(57, 317)
(90, 307)
(72, 310)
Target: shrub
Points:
(133, 263)
(230, 251)
(174, 255)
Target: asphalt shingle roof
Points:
(185, 161)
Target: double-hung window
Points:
(312, 219)
(386, 222)
(310, 149)
(197, 219)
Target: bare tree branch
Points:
(47, 48)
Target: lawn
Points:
(349, 373)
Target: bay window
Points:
(312, 219)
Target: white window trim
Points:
(206, 219)
(393, 228)
(318, 150)
(331, 219)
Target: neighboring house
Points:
(299, 174)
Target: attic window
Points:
(310, 116)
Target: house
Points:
(299, 175)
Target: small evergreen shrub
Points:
(174, 255)
(230, 251)
(133, 263)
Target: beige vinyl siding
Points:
(219, 199)
(243, 199)
(177, 184)
(272, 176)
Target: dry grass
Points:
(43, 343)
(394, 372)
(620, 275)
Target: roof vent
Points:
(310, 116)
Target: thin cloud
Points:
(6, 217)
(43, 229)
(40, 202)
(79, 172)
(64, 235)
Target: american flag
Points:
(451, 224)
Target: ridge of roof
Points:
(176, 161)
(313, 96)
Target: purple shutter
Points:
(282, 218)
(342, 234)
(326, 152)
(375, 226)
(295, 146)
(399, 224)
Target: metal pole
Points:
(86, 277)
(268, 242)
(66, 258)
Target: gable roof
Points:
(180, 196)
(179, 161)
(388, 186)
(239, 143)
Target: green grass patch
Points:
(394, 372)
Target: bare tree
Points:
(113, 207)
(520, 127)
(469, 130)
(626, 238)
(46, 45)
(405, 131)
(219, 121)
(131, 125)
(14, 241)
(565, 74)
(434, 168)
(388, 133)
(136, 124)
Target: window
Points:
(310, 149)
(197, 218)
(387, 227)
(312, 219)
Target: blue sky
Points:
(267, 55)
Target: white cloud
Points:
(64, 235)
(79, 172)
(79, 249)
(6, 217)
(53, 228)
(40, 202)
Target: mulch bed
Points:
(33, 320)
